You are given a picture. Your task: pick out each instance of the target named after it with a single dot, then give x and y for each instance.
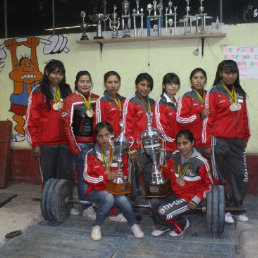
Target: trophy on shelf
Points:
(188, 20)
(151, 143)
(170, 19)
(201, 27)
(156, 17)
(114, 23)
(99, 17)
(84, 26)
(138, 13)
(120, 185)
(126, 19)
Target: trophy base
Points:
(118, 189)
(158, 191)
(126, 36)
(84, 37)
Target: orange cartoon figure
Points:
(26, 75)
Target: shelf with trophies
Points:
(161, 24)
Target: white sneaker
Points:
(229, 218)
(242, 218)
(89, 213)
(175, 234)
(157, 232)
(137, 231)
(74, 212)
(119, 218)
(96, 233)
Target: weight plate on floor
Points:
(209, 209)
(60, 207)
(43, 205)
(215, 209)
(221, 215)
(49, 199)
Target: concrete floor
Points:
(72, 239)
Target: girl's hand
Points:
(191, 205)
(36, 152)
(114, 174)
(205, 113)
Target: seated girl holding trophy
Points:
(98, 170)
(190, 183)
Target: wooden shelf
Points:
(153, 38)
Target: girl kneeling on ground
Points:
(190, 183)
(98, 169)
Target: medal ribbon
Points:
(180, 172)
(85, 102)
(118, 102)
(56, 95)
(107, 160)
(201, 99)
(231, 94)
(147, 106)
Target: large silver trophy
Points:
(151, 143)
(120, 145)
(138, 13)
(201, 27)
(156, 18)
(188, 19)
(170, 19)
(114, 23)
(99, 17)
(84, 26)
(126, 19)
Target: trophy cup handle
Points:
(131, 142)
(111, 140)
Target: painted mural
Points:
(25, 74)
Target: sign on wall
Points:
(246, 59)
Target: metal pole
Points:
(5, 20)
(53, 16)
(220, 10)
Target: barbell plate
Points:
(215, 209)
(221, 209)
(43, 204)
(60, 206)
(49, 198)
(53, 41)
(58, 44)
(209, 209)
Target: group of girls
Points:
(199, 123)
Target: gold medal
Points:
(180, 181)
(56, 106)
(89, 113)
(235, 107)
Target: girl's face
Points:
(84, 84)
(171, 88)
(103, 138)
(55, 77)
(143, 88)
(185, 146)
(198, 81)
(228, 77)
(112, 85)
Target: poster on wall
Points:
(246, 59)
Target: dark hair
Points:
(186, 133)
(198, 70)
(103, 125)
(229, 66)
(78, 76)
(170, 78)
(144, 76)
(110, 73)
(65, 89)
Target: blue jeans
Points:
(79, 161)
(105, 201)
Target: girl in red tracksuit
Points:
(227, 131)
(164, 116)
(99, 168)
(44, 129)
(190, 183)
(191, 107)
(135, 111)
(109, 106)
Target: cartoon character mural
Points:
(26, 74)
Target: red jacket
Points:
(222, 122)
(94, 169)
(134, 115)
(198, 181)
(43, 126)
(164, 119)
(189, 115)
(78, 127)
(107, 110)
